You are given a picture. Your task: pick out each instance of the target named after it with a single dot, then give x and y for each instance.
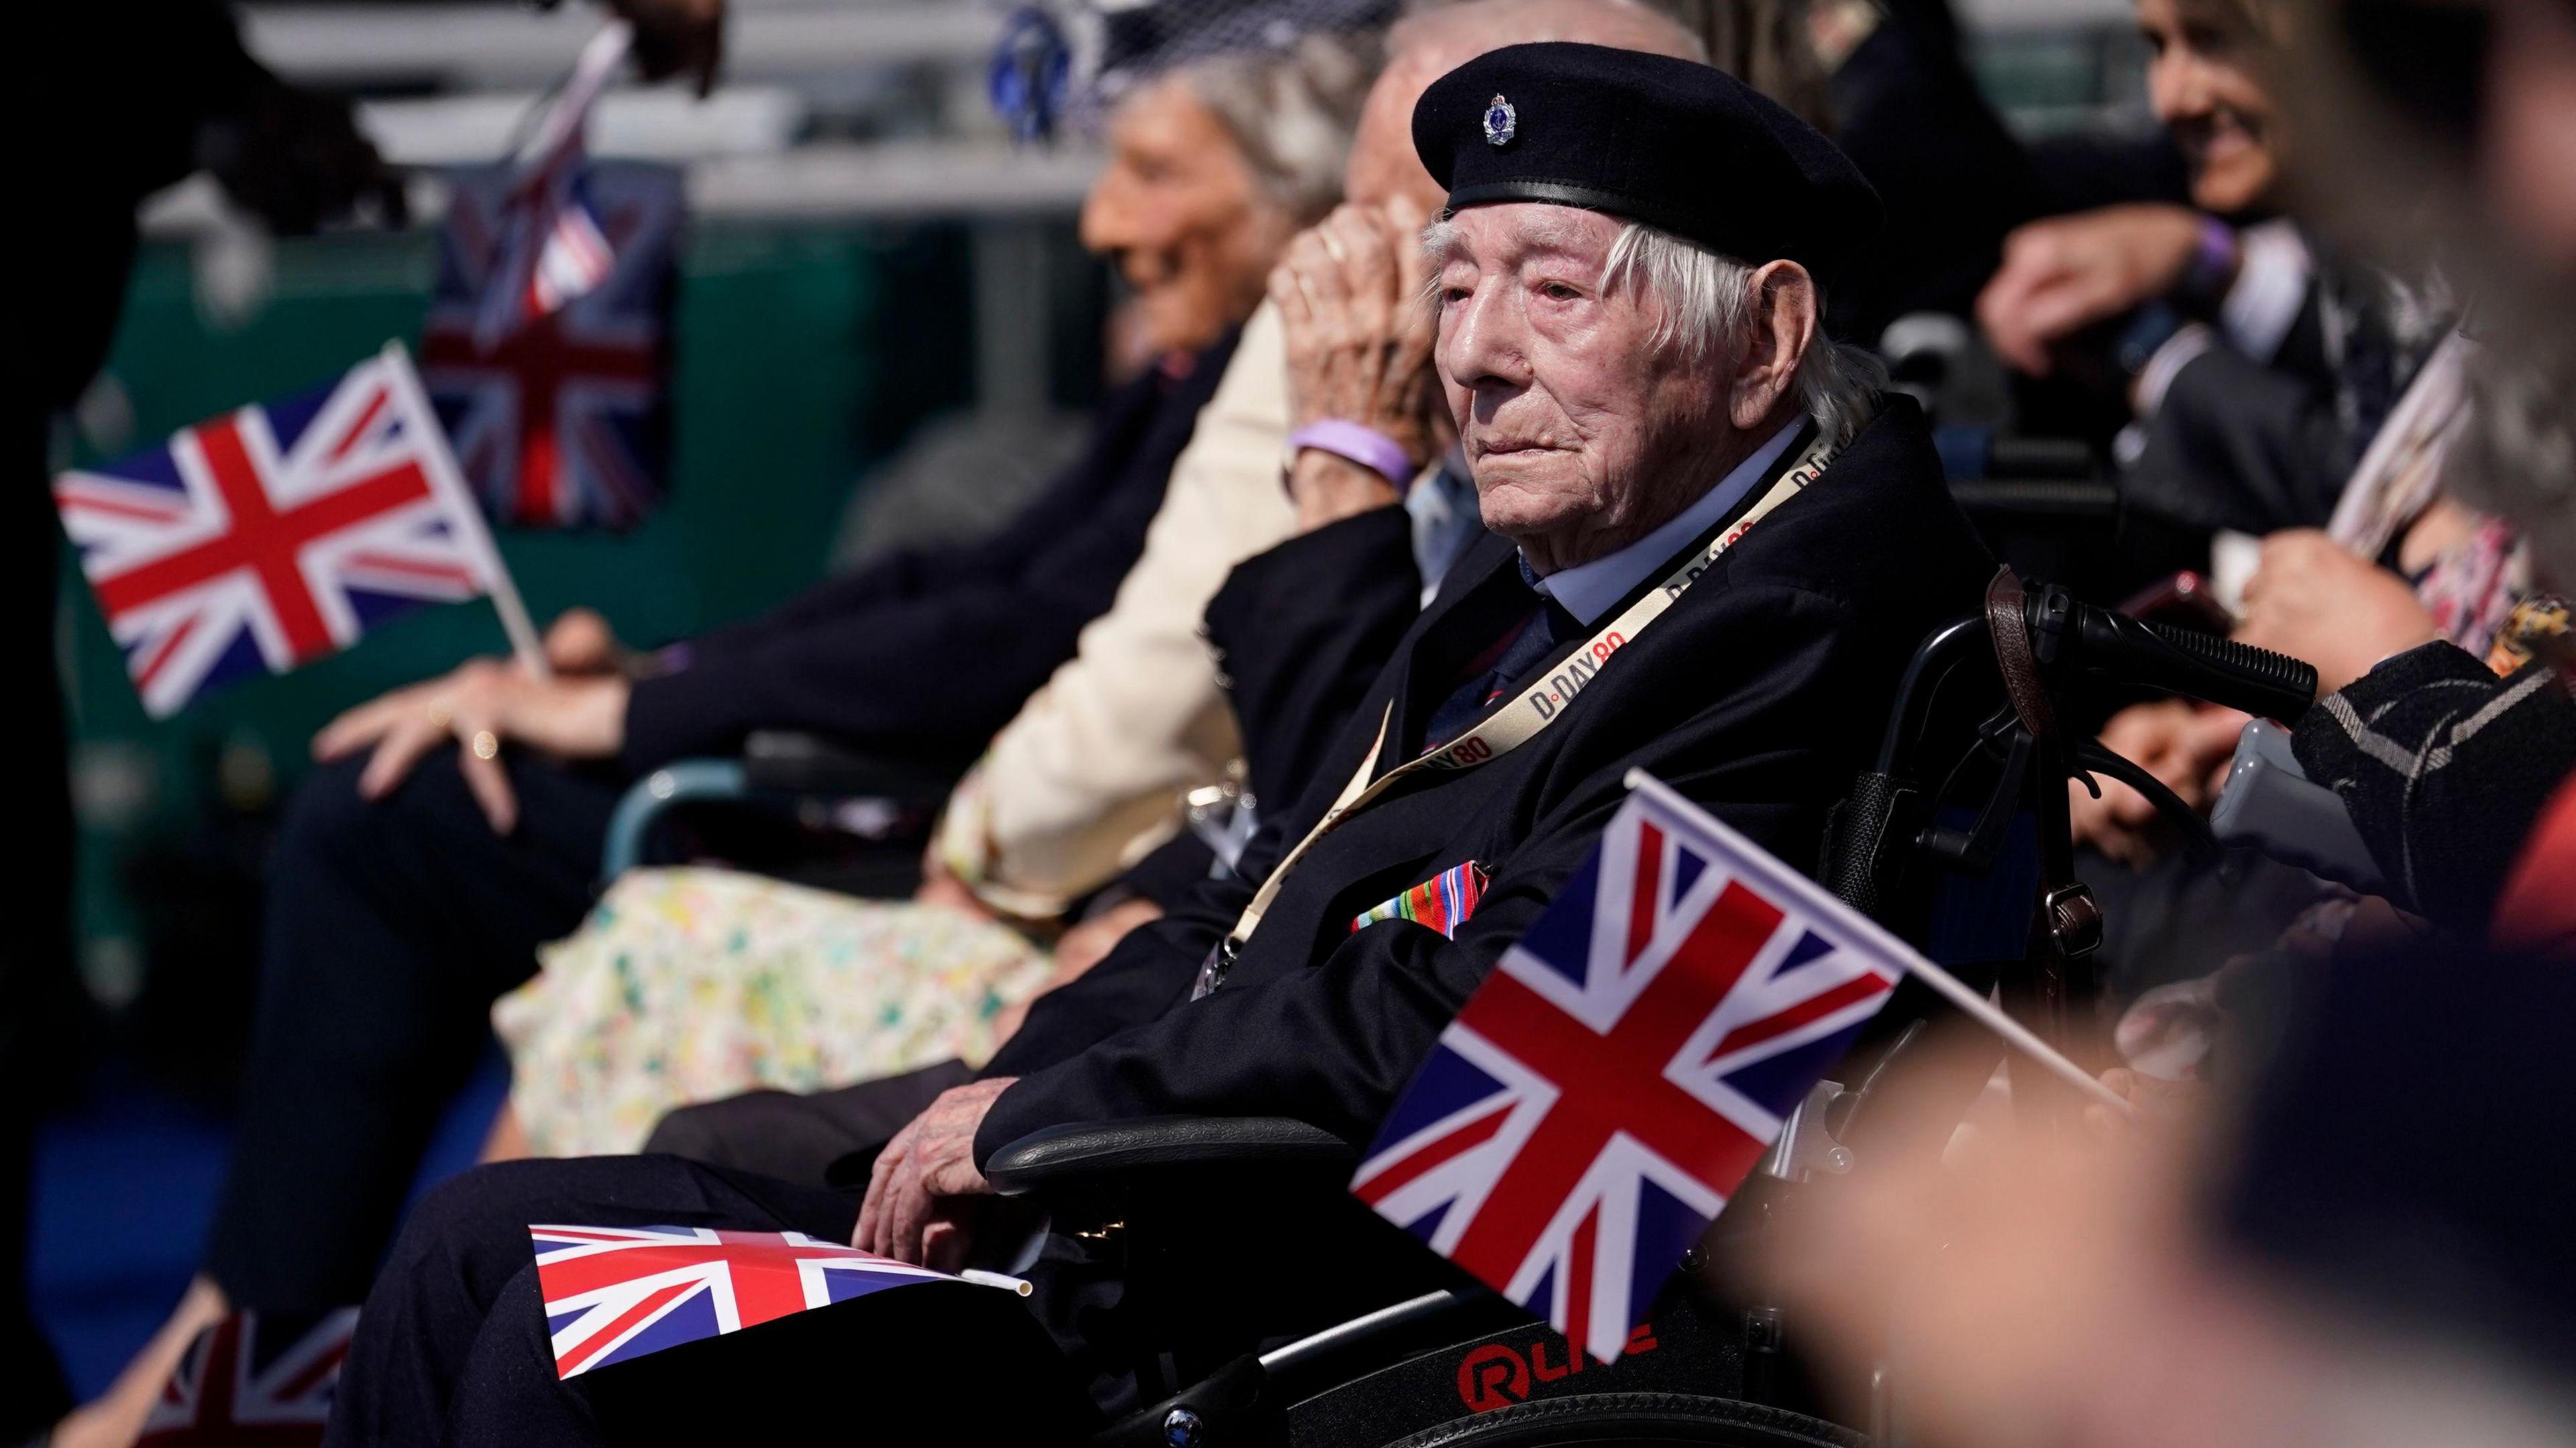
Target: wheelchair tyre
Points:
(1638, 1418)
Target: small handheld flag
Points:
(279, 533)
(1598, 1099)
(253, 1380)
(546, 344)
(617, 1293)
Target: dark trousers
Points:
(453, 1347)
(390, 927)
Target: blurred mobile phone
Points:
(2183, 599)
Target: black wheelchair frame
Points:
(1715, 1363)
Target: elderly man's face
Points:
(1577, 428)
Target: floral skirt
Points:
(691, 984)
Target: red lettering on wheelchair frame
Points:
(1488, 1374)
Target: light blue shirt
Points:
(1444, 510)
(1587, 590)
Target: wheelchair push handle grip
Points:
(2185, 661)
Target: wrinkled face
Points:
(1572, 419)
(2204, 88)
(1179, 212)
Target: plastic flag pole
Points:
(1955, 990)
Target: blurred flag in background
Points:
(546, 349)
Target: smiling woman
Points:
(1211, 169)
(2208, 86)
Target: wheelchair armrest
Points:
(792, 763)
(1062, 1155)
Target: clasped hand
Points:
(579, 713)
(1349, 292)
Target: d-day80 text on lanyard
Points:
(1516, 722)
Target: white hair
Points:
(1292, 111)
(1706, 305)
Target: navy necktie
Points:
(1538, 635)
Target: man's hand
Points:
(1359, 349)
(2065, 273)
(480, 706)
(2312, 600)
(918, 1194)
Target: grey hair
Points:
(1293, 111)
(1706, 305)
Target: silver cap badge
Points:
(1501, 122)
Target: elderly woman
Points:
(1715, 549)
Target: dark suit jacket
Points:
(1300, 634)
(1760, 694)
(928, 653)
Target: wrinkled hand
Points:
(2183, 744)
(2066, 273)
(677, 37)
(481, 706)
(1077, 951)
(1349, 291)
(925, 1180)
(2312, 600)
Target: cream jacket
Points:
(1089, 777)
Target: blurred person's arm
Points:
(1089, 776)
(928, 650)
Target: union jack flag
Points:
(560, 415)
(617, 1293)
(271, 536)
(1588, 1113)
(253, 1380)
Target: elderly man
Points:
(1715, 547)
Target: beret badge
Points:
(1501, 122)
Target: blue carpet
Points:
(124, 1188)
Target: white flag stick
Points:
(1816, 898)
(590, 75)
(466, 517)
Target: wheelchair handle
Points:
(2186, 661)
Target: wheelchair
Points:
(1957, 839)
(810, 809)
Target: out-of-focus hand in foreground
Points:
(2063, 1289)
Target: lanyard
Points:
(1517, 721)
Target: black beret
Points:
(1675, 144)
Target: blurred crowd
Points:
(1371, 463)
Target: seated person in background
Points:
(414, 881)
(1293, 639)
(1669, 453)
(2258, 363)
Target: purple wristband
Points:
(2214, 257)
(1366, 446)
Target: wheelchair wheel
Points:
(1635, 1418)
